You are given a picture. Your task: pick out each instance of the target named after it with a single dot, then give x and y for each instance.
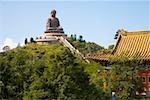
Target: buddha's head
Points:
(53, 13)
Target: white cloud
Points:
(9, 42)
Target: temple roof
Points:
(134, 43)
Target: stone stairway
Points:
(64, 41)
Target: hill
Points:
(45, 72)
(83, 46)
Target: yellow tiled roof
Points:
(135, 44)
(96, 56)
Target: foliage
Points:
(104, 51)
(6, 48)
(25, 41)
(110, 47)
(52, 72)
(125, 79)
(97, 76)
(83, 46)
(44, 72)
(32, 40)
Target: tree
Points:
(110, 47)
(6, 48)
(81, 38)
(32, 40)
(45, 72)
(125, 77)
(4, 75)
(18, 46)
(26, 41)
(83, 46)
(75, 37)
(62, 79)
(71, 38)
(86, 47)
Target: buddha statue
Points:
(53, 25)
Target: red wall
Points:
(146, 79)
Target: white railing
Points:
(72, 49)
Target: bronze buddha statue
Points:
(53, 25)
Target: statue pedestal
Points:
(49, 38)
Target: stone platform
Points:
(49, 38)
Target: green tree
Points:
(83, 46)
(63, 79)
(25, 41)
(32, 40)
(81, 38)
(110, 47)
(125, 77)
(44, 72)
(4, 75)
(86, 47)
(6, 48)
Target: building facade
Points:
(137, 45)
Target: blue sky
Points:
(97, 21)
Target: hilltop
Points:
(45, 72)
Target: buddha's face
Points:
(53, 13)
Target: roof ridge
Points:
(140, 32)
